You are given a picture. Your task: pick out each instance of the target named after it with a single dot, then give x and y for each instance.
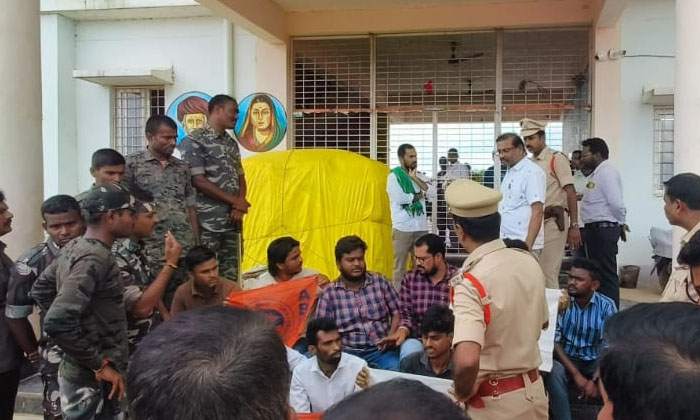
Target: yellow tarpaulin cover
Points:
(317, 197)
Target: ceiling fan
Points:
(456, 60)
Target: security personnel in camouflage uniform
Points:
(217, 174)
(82, 295)
(500, 308)
(167, 178)
(63, 223)
(142, 293)
(107, 166)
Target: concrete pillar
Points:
(58, 104)
(21, 169)
(607, 95)
(686, 138)
(687, 87)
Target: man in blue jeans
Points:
(579, 337)
(365, 306)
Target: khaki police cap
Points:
(528, 127)
(467, 198)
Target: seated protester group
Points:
(578, 338)
(142, 294)
(650, 369)
(329, 376)
(427, 285)
(435, 359)
(62, 222)
(398, 399)
(284, 263)
(213, 363)
(107, 166)
(205, 287)
(364, 304)
(81, 293)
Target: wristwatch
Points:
(574, 225)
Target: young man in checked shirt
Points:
(427, 285)
(364, 305)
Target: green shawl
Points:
(415, 208)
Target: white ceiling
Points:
(311, 5)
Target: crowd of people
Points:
(131, 280)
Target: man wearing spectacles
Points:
(689, 257)
(523, 189)
(682, 208)
(603, 213)
(427, 285)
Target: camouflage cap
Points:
(142, 206)
(528, 127)
(108, 197)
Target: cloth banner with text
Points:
(288, 305)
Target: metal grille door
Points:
(332, 94)
(441, 92)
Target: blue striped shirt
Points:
(580, 330)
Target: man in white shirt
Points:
(456, 170)
(330, 375)
(682, 209)
(603, 213)
(523, 189)
(407, 193)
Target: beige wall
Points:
(21, 175)
(447, 17)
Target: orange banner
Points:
(309, 416)
(288, 305)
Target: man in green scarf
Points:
(407, 194)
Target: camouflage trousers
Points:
(88, 401)
(50, 360)
(226, 246)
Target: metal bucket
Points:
(629, 274)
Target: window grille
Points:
(663, 146)
(332, 94)
(437, 92)
(132, 107)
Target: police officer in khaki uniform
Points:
(500, 308)
(682, 209)
(560, 199)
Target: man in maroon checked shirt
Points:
(427, 285)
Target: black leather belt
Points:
(601, 224)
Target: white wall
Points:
(259, 66)
(647, 27)
(193, 47)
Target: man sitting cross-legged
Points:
(205, 286)
(330, 375)
(427, 285)
(436, 358)
(364, 305)
(284, 263)
(578, 338)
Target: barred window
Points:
(132, 107)
(663, 146)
